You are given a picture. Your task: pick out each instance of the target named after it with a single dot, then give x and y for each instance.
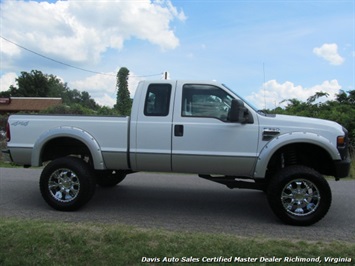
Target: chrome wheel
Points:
(300, 197)
(64, 185)
(67, 183)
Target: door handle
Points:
(178, 130)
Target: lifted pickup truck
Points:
(186, 127)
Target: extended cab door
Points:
(204, 141)
(151, 126)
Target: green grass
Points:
(8, 165)
(27, 242)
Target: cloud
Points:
(329, 52)
(7, 80)
(273, 93)
(80, 31)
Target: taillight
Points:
(8, 134)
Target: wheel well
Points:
(305, 154)
(64, 146)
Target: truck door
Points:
(151, 128)
(204, 142)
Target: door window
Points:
(157, 100)
(205, 101)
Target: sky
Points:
(267, 51)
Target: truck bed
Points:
(109, 132)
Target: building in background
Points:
(26, 104)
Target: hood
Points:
(286, 124)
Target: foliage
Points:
(3, 120)
(107, 111)
(74, 109)
(78, 109)
(124, 101)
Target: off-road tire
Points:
(67, 183)
(299, 195)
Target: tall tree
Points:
(124, 101)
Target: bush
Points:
(74, 109)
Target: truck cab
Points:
(187, 127)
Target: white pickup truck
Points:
(186, 127)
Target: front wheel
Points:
(299, 195)
(67, 183)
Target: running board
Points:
(232, 182)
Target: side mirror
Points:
(238, 113)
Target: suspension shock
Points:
(290, 157)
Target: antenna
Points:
(166, 75)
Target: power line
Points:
(68, 65)
(56, 61)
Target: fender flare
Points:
(292, 138)
(69, 132)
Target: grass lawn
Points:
(28, 242)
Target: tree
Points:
(124, 101)
(37, 84)
(33, 84)
(316, 96)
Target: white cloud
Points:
(329, 52)
(80, 31)
(7, 80)
(105, 100)
(272, 93)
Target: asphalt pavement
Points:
(179, 203)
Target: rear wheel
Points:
(67, 183)
(299, 195)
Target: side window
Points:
(205, 101)
(157, 100)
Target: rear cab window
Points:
(157, 100)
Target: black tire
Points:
(299, 195)
(109, 178)
(67, 183)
